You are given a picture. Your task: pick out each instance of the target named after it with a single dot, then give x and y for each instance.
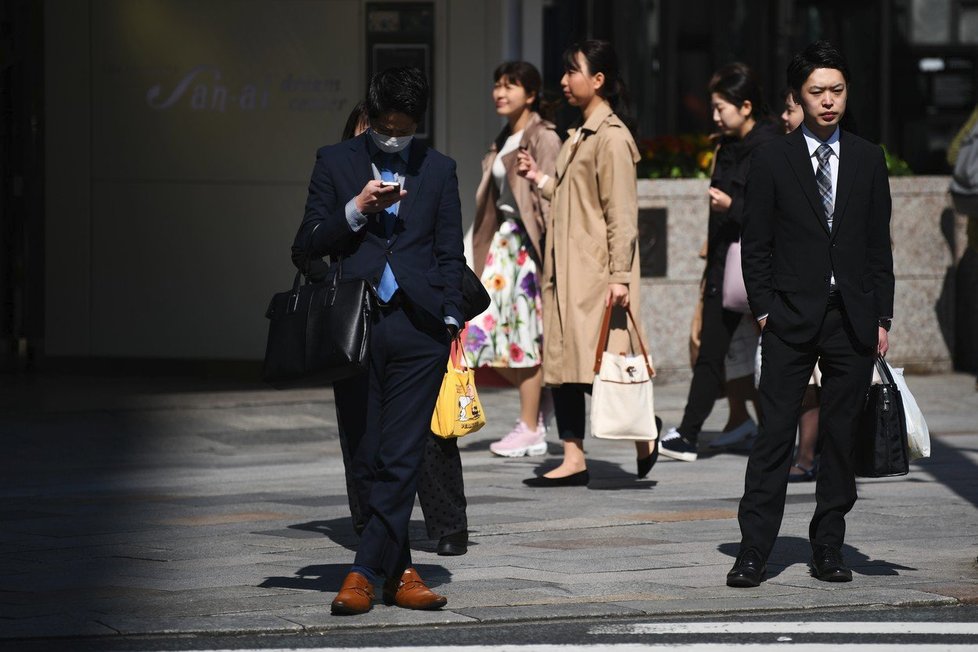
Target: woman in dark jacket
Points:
(742, 116)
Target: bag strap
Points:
(605, 332)
(456, 355)
(884, 371)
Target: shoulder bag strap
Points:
(641, 343)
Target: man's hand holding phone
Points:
(379, 195)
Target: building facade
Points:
(156, 153)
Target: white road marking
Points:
(634, 647)
(787, 628)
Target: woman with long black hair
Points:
(591, 251)
(743, 117)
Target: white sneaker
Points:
(740, 433)
(521, 441)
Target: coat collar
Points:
(801, 165)
(800, 159)
(848, 164)
(601, 113)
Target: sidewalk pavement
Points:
(135, 506)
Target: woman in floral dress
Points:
(506, 238)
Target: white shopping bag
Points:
(918, 435)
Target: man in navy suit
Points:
(388, 208)
(818, 266)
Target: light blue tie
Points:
(388, 284)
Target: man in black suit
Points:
(388, 206)
(818, 267)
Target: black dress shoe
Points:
(645, 464)
(579, 479)
(748, 570)
(454, 544)
(827, 565)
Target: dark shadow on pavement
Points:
(605, 476)
(789, 551)
(327, 578)
(340, 531)
(949, 466)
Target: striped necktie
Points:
(823, 178)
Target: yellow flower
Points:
(498, 282)
(704, 159)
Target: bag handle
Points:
(605, 332)
(456, 355)
(884, 371)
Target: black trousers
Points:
(847, 369)
(386, 428)
(441, 489)
(709, 375)
(569, 409)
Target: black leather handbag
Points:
(881, 441)
(475, 299)
(318, 332)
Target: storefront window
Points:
(968, 25)
(931, 22)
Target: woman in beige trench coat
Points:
(591, 249)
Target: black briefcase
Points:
(318, 332)
(881, 441)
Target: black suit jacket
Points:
(425, 252)
(788, 253)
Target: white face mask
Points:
(390, 144)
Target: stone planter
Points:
(927, 242)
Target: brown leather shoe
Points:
(355, 596)
(411, 593)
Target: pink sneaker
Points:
(521, 441)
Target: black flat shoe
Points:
(645, 464)
(747, 571)
(806, 475)
(579, 479)
(827, 565)
(454, 544)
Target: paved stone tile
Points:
(58, 625)
(227, 624)
(95, 531)
(380, 616)
(224, 519)
(591, 543)
(541, 611)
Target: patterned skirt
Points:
(510, 332)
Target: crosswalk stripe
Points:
(635, 647)
(815, 627)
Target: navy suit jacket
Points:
(788, 253)
(425, 252)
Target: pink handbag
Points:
(734, 290)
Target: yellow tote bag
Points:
(458, 410)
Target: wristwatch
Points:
(885, 324)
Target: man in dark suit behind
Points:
(818, 267)
(389, 206)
